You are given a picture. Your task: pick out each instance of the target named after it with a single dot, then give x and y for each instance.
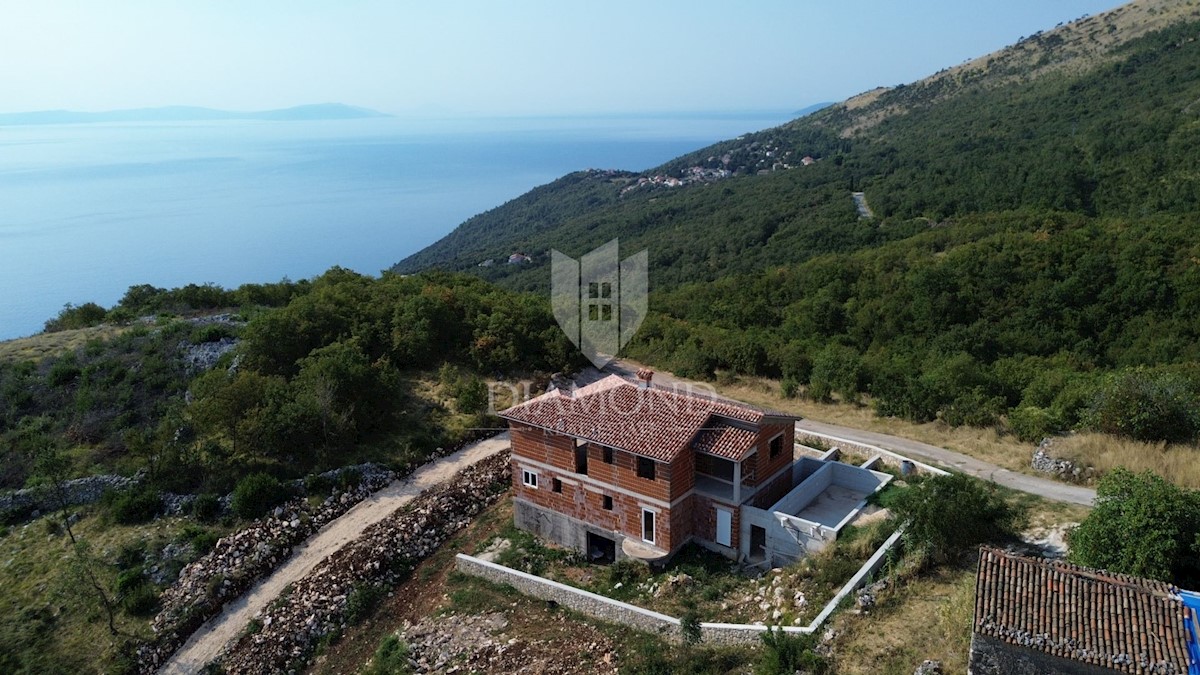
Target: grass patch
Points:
(1177, 462)
(44, 345)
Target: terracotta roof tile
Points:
(653, 422)
(1125, 623)
(725, 440)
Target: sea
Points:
(87, 210)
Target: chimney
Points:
(646, 376)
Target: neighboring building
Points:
(623, 470)
(519, 258)
(1034, 616)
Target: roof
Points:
(725, 440)
(1128, 624)
(651, 421)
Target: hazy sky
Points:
(497, 57)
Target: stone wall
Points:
(615, 611)
(34, 501)
(318, 605)
(990, 656)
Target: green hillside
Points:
(1031, 231)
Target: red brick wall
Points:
(765, 466)
(774, 490)
(704, 520)
(586, 502)
(543, 446)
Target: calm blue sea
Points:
(88, 210)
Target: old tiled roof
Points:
(725, 440)
(653, 422)
(1125, 623)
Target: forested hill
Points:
(1097, 117)
(1027, 252)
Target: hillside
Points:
(1030, 242)
(1094, 117)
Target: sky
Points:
(521, 57)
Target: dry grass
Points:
(38, 347)
(925, 618)
(987, 444)
(35, 574)
(1176, 462)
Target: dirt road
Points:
(207, 642)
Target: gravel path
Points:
(206, 643)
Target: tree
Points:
(1141, 525)
(1147, 406)
(949, 515)
(836, 368)
(52, 466)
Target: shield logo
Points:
(600, 300)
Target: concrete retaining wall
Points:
(803, 494)
(577, 599)
(607, 609)
(858, 479)
(892, 459)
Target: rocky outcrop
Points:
(205, 355)
(317, 605)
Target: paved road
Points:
(1043, 487)
(207, 642)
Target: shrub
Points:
(689, 626)
(257, 493)
(948, 515)
(87, 314)
(789, 387)
(201, 539)
(1141, 525)
(472, 396)
(362, 601)
(391, 658)
(206, 508)
(140, 601)
(1146, 405)
(131, 507)
(785, 653)
(210, 332)
(1031, 423)
(316, 484)
(349, 479)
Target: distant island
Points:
(318, 111)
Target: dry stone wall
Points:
(317, 606)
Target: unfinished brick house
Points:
(1034, 616)
(617, 469)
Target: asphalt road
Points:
(932, 454)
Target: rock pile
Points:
(238, 560)
(317, 605)
(867, 596)
(1045, 462)
(929, 667)
(478, 644)
(37, 500)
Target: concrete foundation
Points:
(561, 529)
